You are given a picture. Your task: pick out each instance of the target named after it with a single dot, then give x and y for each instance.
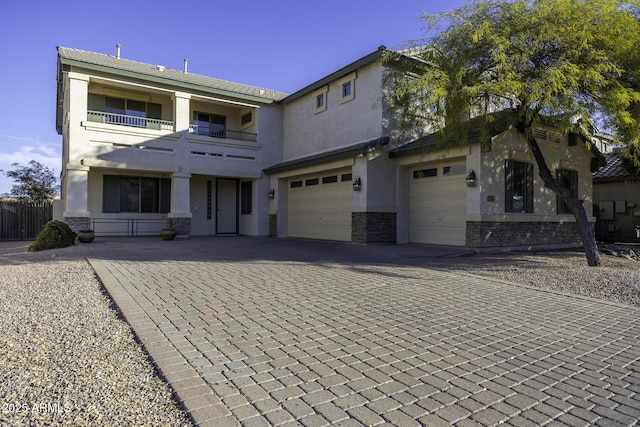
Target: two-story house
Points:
(144, 145)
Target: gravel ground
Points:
(618, 279)
(66, 358)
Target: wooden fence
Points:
(23, 220)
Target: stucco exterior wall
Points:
(306, 132)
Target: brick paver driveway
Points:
(257, 332)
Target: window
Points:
(135, 194)
(346, 89)
(319, 97)
(330, 179)
(454, 170)
(313, 181)
(209, 124)
(425, 173)
(518, 187)
(126, 112)
(296, 184)
(246, 197)
(246, 119)
(346, 177)
(569, 179)
(347, 86)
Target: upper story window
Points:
(347, 86)
(518, 187)
(122, 111)
(569, 179)
(246, 120)
(209, 124)
(319, 97)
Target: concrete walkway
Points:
(258, 331)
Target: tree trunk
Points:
(577, 208)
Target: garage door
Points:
(437, 204)
(320, 206)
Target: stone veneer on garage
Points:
(373, 227)
(497, 235)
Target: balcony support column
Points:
(180, 214)
(76, 212)
(181, 111)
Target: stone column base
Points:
(77, 223)
(373, 227)
(182, 226)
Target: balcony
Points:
(131, 121)
(217, 132)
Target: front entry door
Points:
(227, 206)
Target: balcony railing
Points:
(132, 121)
(223, 133)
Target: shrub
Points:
(55, 234)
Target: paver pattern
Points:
(259, 332)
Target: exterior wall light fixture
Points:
(357, 184)
(272, 194)
(471, 178)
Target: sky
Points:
(282, 45)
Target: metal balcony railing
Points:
(223, 133)
(132, 121)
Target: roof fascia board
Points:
(171, 82)
(326, 157)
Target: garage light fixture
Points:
(357, 184)
(471, 178)
(272, 194)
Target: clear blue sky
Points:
(281, 45)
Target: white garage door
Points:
(437, 204)
(320, 206)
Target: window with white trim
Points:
(347, 87)
(319, 97)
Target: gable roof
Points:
(125, 67)
(614, 170)
(365, 60)
(475, 134)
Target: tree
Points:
(569, 63)
(35, 181)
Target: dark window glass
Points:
(246, 118)
(246, 197)
(320, 101)
(313, 181)
(330, 179)
(346, 177)
(296, 184)
(518, 187)
(569, 179)
(136, 194)
(424, 173)
(346, 89)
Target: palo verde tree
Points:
(569, 63)
(35, 182)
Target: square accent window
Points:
(319, 97)
(246, 119)
(347, 85)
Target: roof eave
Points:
(317, 159)
(365, 60)
(167, 81)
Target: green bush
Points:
(55, 234)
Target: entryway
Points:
(226, 206)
